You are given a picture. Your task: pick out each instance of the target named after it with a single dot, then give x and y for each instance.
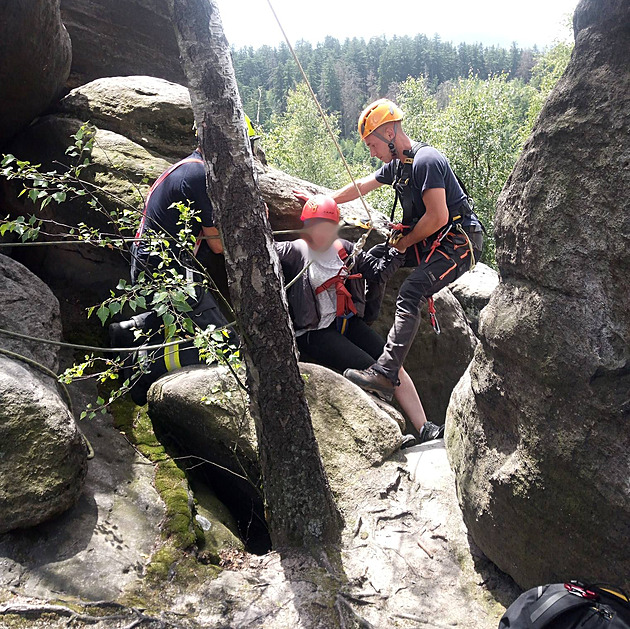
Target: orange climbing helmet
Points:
(377, 114)
(321, 206)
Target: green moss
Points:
(170, 480)
(176, 558)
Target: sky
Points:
(500, 22)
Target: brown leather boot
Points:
(372, 381)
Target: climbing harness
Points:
(453, 231)
(345, 306)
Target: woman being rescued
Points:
(327, 303)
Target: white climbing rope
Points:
(360, 244)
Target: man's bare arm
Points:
(435, 217)
(349, 192)
(213, 239)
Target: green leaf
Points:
(60, 197)
(103, 313)
(114, 307)
(32, 194)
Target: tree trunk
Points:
(300, 508)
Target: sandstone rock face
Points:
(435, 362)
(110, 38)
(27, 306)
(473, 291)
(119, 166)
(537, 431)
(151, 112)
(203, 408)
(42, 455)
(35, 54)
(284, 210)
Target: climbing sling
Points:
(345, 306)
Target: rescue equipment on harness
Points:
(345, 306)
(454, 230)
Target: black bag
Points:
(569, 606)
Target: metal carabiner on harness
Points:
(433, 316)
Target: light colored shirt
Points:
(324, 265)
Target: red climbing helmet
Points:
(321, 206)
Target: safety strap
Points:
(433, 315)
(345, 306)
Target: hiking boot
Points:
(430, 431)
(370, 380)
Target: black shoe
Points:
(408, 441)
(430, 431)
(372, 381)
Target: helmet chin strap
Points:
(390, 143)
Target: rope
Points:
(64, 390)
(360, 244)
(101, 241)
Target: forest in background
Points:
(476, 104)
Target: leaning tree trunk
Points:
(300, 508)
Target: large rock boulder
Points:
(43, 459)
(28, 307)
(152, 112)
(473, 291)
(110, 38)
(435, 362)
(35, 54)
(277, 189)
(42, 455)
(205, 412)
(538, 429)
(119, 167)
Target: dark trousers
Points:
(436, 269)
(357, 349)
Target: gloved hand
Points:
(301, 196)
(395, 235)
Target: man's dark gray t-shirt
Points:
(430, 170)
